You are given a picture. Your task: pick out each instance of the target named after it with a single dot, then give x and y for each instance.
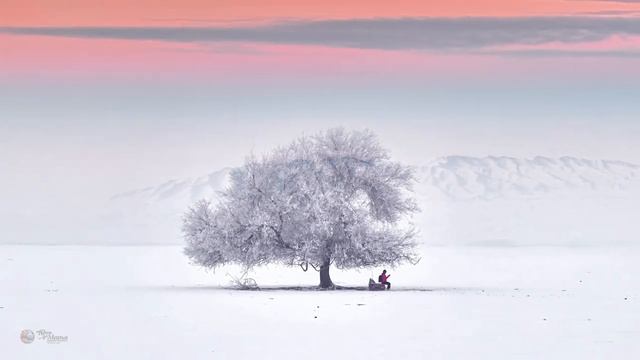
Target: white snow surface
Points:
(147, 302)
(463, 200)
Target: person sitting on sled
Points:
(383, 279)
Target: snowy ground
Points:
(458, 303)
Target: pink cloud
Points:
(63, 59)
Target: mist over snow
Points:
(463, 201)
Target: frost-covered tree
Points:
(334, 198)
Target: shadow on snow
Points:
(304, 288)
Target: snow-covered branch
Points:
(334, 198)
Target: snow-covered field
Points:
(147, 302)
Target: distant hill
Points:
(464, 200)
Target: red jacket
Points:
(383, 278)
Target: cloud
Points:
(381, 33)
(617, 1)
(609, 12)
(631, 54)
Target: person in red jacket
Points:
(383, 279)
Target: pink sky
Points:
(152, 12)
(42, 57)
(51, 58)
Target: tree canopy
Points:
(335, 198)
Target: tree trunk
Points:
(325, 279)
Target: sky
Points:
(101, 97)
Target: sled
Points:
(374, 286)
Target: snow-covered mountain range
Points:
(188, 190)
(463, 199)
(453, 177)
(460, 177)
